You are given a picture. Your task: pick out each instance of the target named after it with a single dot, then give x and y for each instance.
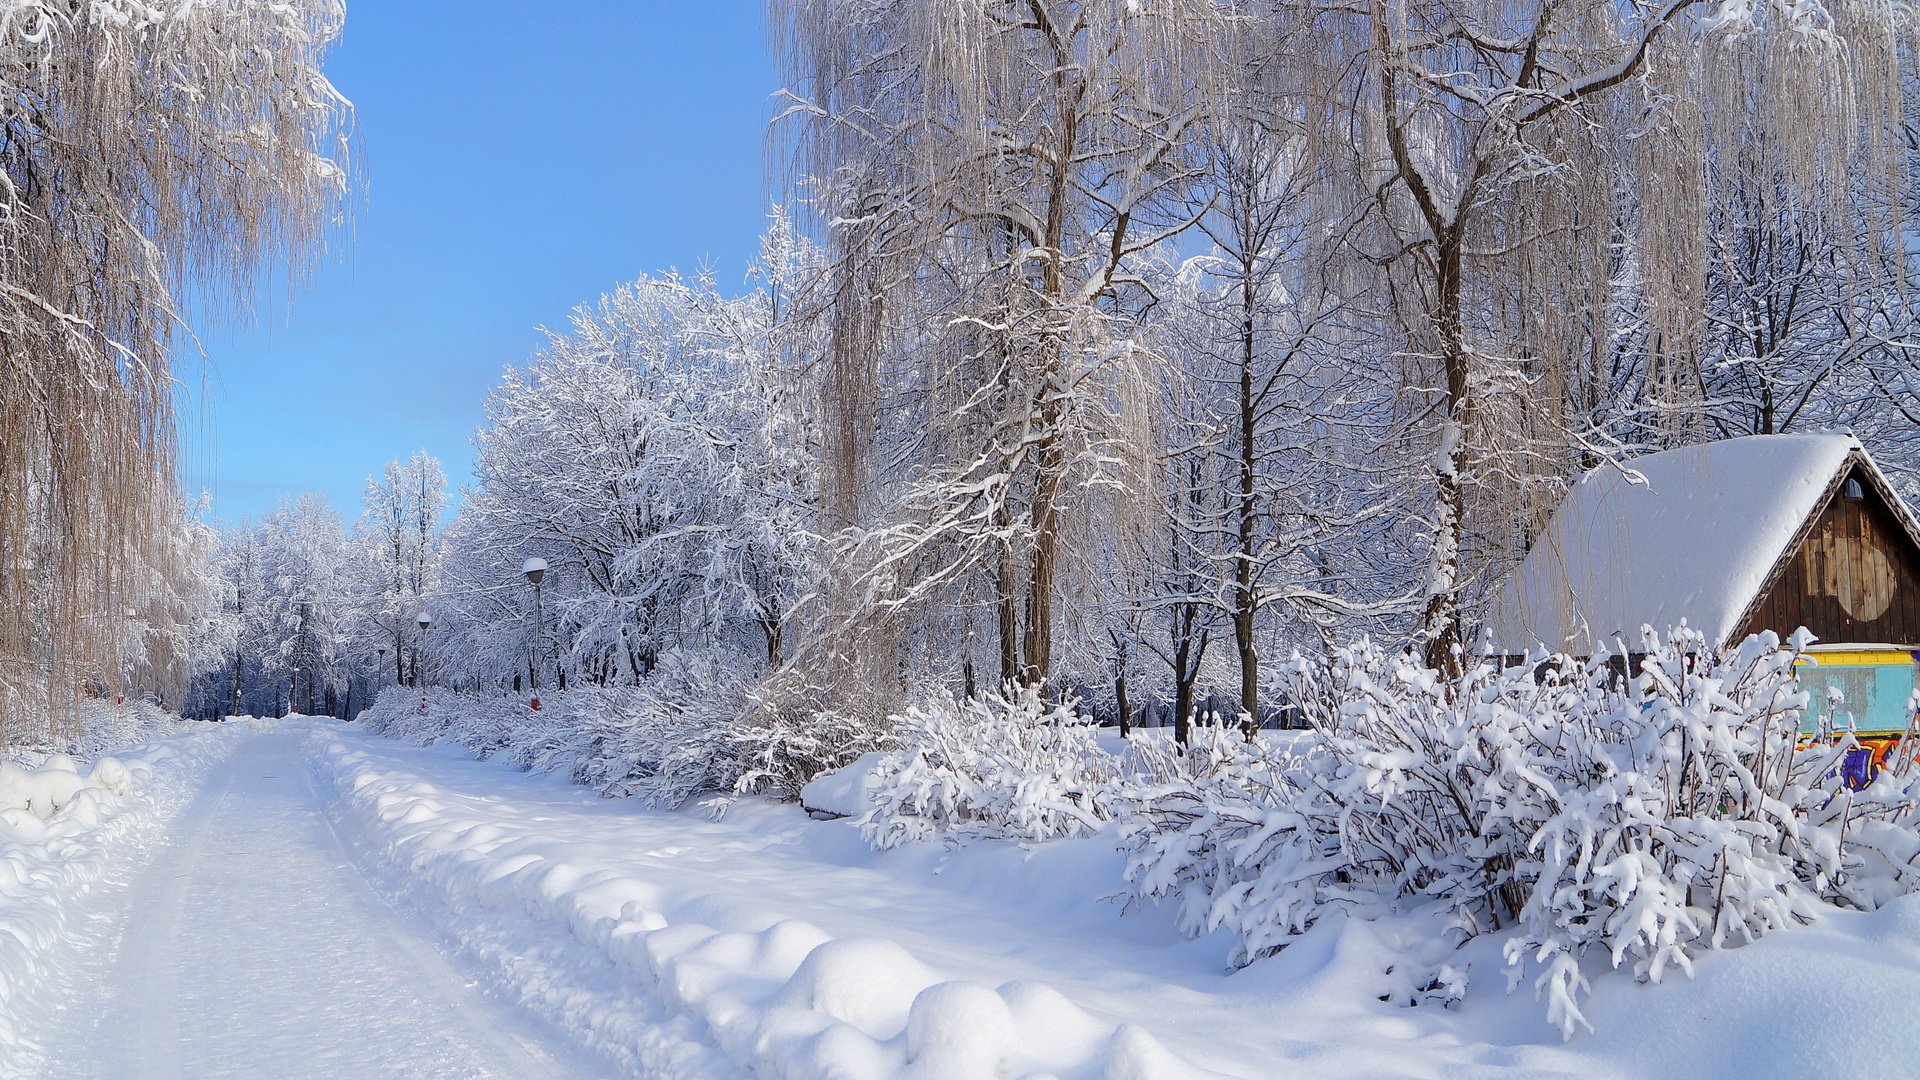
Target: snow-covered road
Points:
(253, 947)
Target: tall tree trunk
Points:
(1050, 459)
(1007, 609)
(1182, 692)
(1243, 598)
(1038, 653)
(1443, 599)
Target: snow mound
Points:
(847, 792)
(55, 786)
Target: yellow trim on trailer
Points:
(1859, 658)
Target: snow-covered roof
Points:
(1697, 540)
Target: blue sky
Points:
(516, 160)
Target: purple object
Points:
(1857, 769)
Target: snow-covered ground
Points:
(795, 951)
(330, 903)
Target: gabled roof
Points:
(1696, 533)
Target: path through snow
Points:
(253, 947)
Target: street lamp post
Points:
(535, 569)
(126, 678)
(426, 623)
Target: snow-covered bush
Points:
(665, 740)
(1672, 820)
(647, 742)
(1401, 797)
(1216, 829)
(675, 735)
(421, 717)
(780, 750)
(1017, 767)
(104, 726)
(1579, 812)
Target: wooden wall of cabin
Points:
(1855, 578)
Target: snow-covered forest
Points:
(1060, 371)
(1120, 439)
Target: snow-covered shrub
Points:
(780, 750)
(1017, 767)
(663, 741)
(1216, 828)
(485, 725)
(1670, 819)
(414, 716)
(105, 726)
(1576, 811)
(621, 740)
(1398, 800)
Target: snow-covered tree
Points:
(988, 172)
(397, 561)
(302, 605)
(656, 456)
(1508, 159)
(147, 146)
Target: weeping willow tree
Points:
(147, 147)
(1534, 179)
(988, 170)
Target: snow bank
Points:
(669, 980)
(29, 797)
(67, 834)
(766, 942)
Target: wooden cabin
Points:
(1767, 532)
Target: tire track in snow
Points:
(255, 947)
(148, 960)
